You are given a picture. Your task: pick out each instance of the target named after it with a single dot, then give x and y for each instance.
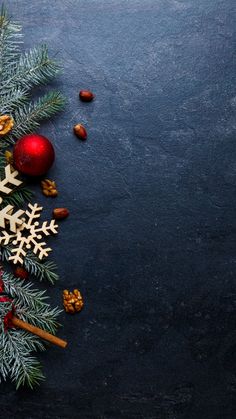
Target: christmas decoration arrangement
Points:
(27, 320)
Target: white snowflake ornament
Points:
(27, 232)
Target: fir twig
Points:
(30, 304)
(18, 197)
(23, 367)
(42, 317)
(2, 165)
(41, 270)
(10, 37)
(28, 117)
(19, 73)
(15, 354)
(34, 68)
(24, 294)
(16, 345)
(13, 100)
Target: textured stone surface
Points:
(150, 241)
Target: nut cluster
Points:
(6, 124)
(72, 301)
(49, 188)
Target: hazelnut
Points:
(60, 213)
(86, 95)
(80, 132)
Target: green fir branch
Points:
(42, 317)
(34, 68)
(18, 197)
(42, 270)
(10, 37)
(28, 118)
(23, 293)
(19, 73)
(15, 354)
(30, 304)
(24, 369)
(13, 100)
(16, 345)
(3, 163)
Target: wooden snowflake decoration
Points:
(27, 231)
(10, 178)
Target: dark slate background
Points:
(150, 241)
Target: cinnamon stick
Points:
(39, 332)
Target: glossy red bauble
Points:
(33, 155)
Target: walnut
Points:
(49, 188)
(72, 301)
(6, 124)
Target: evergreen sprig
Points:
(42, 270)
(10, 37)
(23, 293)
(32, 68)
(28, 117)
(20, 73)
(18, 197)
(16, 360)
(30, 303)
(9, 102)
(16, 346)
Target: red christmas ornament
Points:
(33, 155)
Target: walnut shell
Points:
(6, 124)
(72, 301)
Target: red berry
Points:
(21, 273)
